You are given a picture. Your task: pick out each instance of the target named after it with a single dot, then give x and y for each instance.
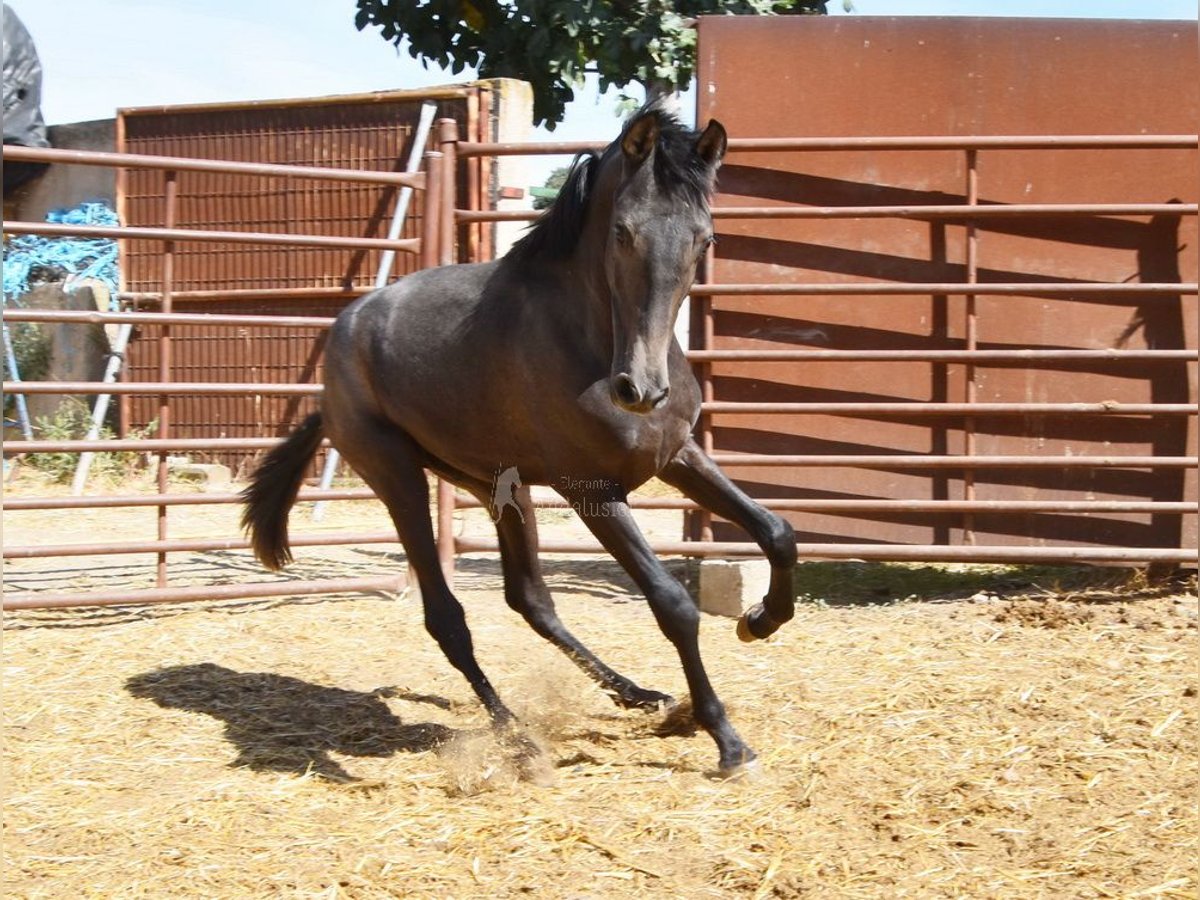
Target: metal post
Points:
(972, 339)
(447, 136)
(171, 196)
(431, 224)
(701, 337)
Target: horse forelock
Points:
(678, 168)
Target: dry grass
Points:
(1008, 746)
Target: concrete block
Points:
(730, 587)
(210, 476)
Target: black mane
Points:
(678, 170)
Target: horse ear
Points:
(710, 146)
(640, 137)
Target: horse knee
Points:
(781, 543)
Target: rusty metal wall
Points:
(362, 132)
(862, 76)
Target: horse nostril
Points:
(660, 398)
(625, 391)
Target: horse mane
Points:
(678, 170)
(556, 231)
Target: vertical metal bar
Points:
(420, 138)
(702, 315)
(441, 204)
(171, 199)
(446, 546)
(448, 144)
(972, 340)
(431, 222)
(121, 178)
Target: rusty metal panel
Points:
(861, 76)
(362, 132)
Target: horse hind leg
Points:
(526, 592)
(389, 460)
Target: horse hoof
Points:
(747, 770)
(743, 630)
(650, 701)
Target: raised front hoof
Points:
(744, 767)
(756, 624)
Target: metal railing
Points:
(164, 443)
(436, 246)
(968, 213)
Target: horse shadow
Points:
(283, 724)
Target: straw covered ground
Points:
(923, 733)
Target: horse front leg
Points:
(700, 479)
(526, 592)
(608, 517)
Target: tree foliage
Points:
(552, 44)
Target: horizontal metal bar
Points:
(222, 294)
(465, 501)
(916, 142)
(928, 211)
(60, 600)
(971, 142)
(139, 445)
(113, 501)
(152, 445)
(13, 314)
(982, 288)
(184, 164)
(178, 388)
(85, 317)
(955, 211)
(897, 461)
(883, 552)
(191, 545)
(496, 215)
(525, 148)
(53, 229)
(973, 356)
(953, 409)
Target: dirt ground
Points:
(923, 732)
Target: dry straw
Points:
(1008, 744)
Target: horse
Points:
(558, 361)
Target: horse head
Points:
(659, 228)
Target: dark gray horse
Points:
(560, 361)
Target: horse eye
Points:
(623, 235)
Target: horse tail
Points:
(273, 490)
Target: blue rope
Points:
(78, 257)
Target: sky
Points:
(100, 56)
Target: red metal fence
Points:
(1179, 509)
(437, 245)
(166, 388)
